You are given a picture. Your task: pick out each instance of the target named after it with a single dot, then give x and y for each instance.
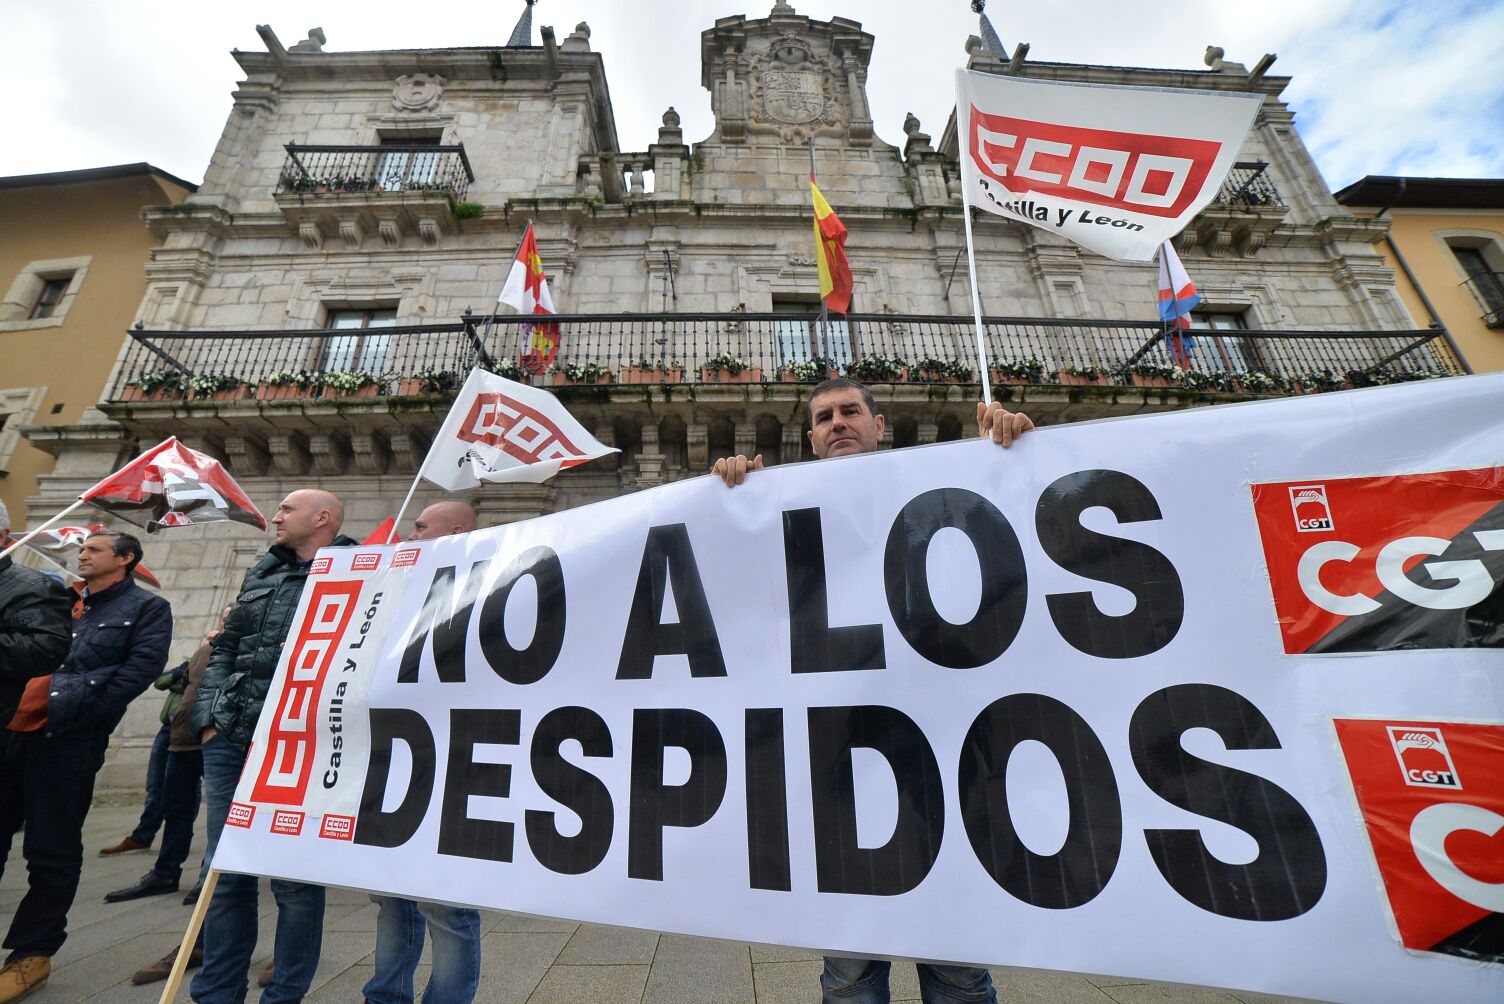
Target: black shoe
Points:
(151, 884)
(192, 896)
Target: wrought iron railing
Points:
(1488, 287)
(311, 170)
(1248, 184)
(762, 348)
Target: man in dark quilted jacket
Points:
(225, 711)
(56, 739)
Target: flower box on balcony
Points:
(368, 390)
(786, 376)
(1140, 380)
(241, 393)
(713, 374)
(650, 374)
(565, 380)
(1085, 379)
(1002, 377)
(280, 391)
(929, 374)
(155, 394)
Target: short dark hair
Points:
(842, 383)
(125, 545)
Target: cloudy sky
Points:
(1380, 86)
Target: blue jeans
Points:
(865, 981)
(399, 943)
(230, 926)
(179, 798)
(156, 770)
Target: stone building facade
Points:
(362, 208)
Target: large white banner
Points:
(1210, 696)
(1119, 170)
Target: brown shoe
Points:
(267, 974)
(128, 844)
(23, 977)
(162, 968)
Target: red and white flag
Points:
(385, 533)
(172, 485)
(61, 544)
(526, 290)
(501, 430)
(1118, 170)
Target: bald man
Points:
(400, 923)
(225, 710)
(443, 519)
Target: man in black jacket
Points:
(55, 743)
(225, 711)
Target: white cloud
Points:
(1379, 89)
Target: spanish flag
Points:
(830, 253)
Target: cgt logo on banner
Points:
(1033, 696)
(1435, 838)
(1417, 561)
(1119, 170)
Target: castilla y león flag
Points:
(1118, 170)
(526, 289)
(172, 485)
(501, 430)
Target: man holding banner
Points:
(399, 924)
(225, 712)
(843, 422)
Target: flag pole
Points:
(963, 133)
(820, 325)
(411, 488)
(190, 937)
(18, 543)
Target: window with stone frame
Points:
(18, 407)
(360, 350)
(42, 293)
(801, 336)
(1483, 263)
(1222, 354)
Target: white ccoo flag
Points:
(1118, 170)
(501, 430)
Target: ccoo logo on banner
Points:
(1119, 170)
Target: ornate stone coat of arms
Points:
(791, 83)
(794, 96)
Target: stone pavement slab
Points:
(525, 960)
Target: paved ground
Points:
(525, 960)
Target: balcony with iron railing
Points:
(700, 350)
(1249, 185)
(1488, 288)
(329, 401)
(330, 191)
(1247, 210)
